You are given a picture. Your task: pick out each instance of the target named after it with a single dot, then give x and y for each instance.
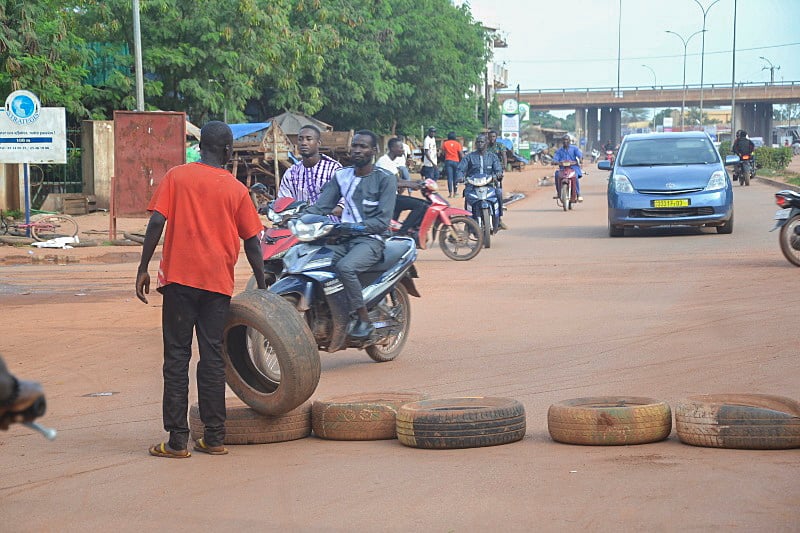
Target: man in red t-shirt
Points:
(453, 153)
(209, 211)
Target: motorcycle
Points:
(595, 155)
(787, 218)
(309, 282)
(460, 237)
(744, 170)
(566, 182)
(610, 156)
(483, 203)
(546, 158)
(28, 405)
(277, 240)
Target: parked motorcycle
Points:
(787, 218)
(546, 158)
(309, 282)
(460, 237)
(567, 185)
(28, 405)
(483, 203)
(744, 169)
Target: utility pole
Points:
(703, 53)
(137, 52)
(772, 68)
(685, 44)
(733, 76)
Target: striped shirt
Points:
(305, 183)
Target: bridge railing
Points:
(635, 88)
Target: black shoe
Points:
(360, 329)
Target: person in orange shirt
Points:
(453, 153)
(209, 211)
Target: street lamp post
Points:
(685, 44)
(703, 52)
(772, 68)
(653, 72)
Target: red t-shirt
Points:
(208, 211)
(451, 149)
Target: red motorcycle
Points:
(277, 240)
(610, 156)
(460, 237)
(566, 183)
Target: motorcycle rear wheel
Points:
(786, 236)
(466, 243)
(395, 307)
(486, 219)
(565, 194)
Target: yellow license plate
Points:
(678, 202)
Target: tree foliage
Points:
(40, 52)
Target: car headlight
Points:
(717, 181)
(622, 184)
(312, 231)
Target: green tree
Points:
(40, 52)
(635, 115)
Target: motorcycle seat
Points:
(395, 248)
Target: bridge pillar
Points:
(606, 128)
(616, 132)
(591, 129)
(738, 119)
(580, 125)
(763, 116)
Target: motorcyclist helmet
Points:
(741, 134)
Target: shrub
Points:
(773, 158)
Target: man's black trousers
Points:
(186, 309)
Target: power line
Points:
(638, 58)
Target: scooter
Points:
(567, 185)
(309, 282)
(743, 170)
(460, 237)
(483, 203)
(595, 155)
(610, 156)
(787, 218)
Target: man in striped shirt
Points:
(304, 180)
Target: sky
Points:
(574, 43)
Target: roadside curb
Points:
(778, 184)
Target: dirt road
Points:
(554, 310)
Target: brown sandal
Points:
(201, 446)
(163, 450)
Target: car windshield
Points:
(668, 151)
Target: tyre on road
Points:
(745, 421)
(262, 328)
(486, 219)
(395, 308)
(609, 420)
(460, 423)
(365, 416)
(246, 426)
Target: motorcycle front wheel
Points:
(486, 220)
(395, 308)
(789, 239)
(565, 194)
(462, 240)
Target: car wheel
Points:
(727, 227)
(744, 421)
(609, 421)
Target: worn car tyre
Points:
(245, 426)
(460, 423)
(609, 420)
(746, 421)
(288, 341)
(367, 416)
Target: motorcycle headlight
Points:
(309, 231)
(717, 181)
(479, 181)
(622, 184)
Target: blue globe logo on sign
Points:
(22, 107)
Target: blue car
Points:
(669, 179)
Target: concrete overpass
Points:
(753, 109)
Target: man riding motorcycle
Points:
(569, 152)
(743, 146)
(482, 161)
